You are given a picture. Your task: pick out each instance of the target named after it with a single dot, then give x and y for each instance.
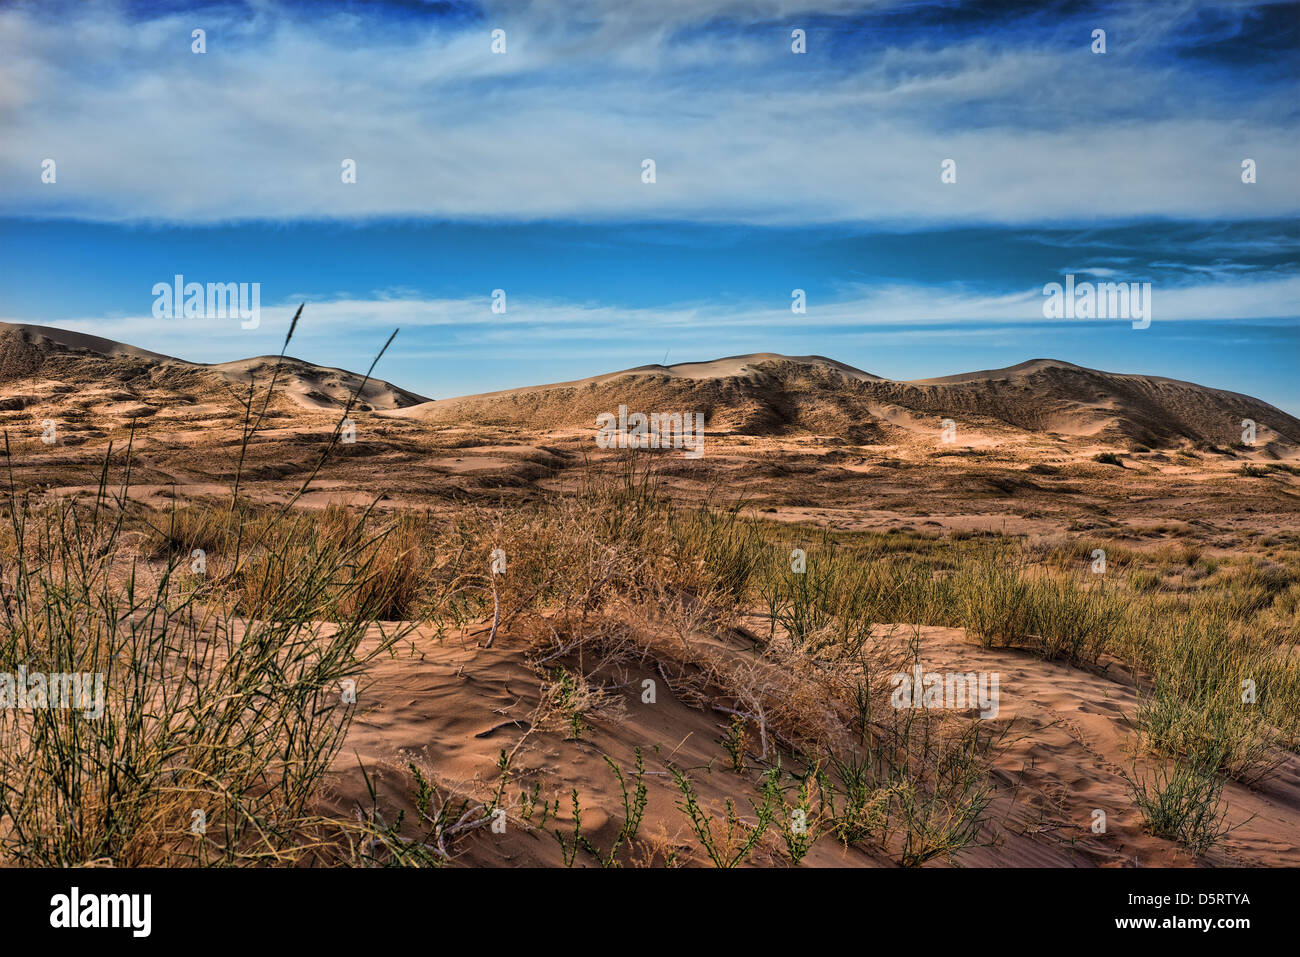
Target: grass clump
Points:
(1181, 803)
(210, 729)
(727, 842)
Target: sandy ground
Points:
(810, 441)
(1067, 745)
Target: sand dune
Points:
(59, 356)
(767, 394)
(757, 394)
(321, 387)
(48, 339)
(814, 448)
(453, 711)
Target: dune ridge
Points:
(772, 394)
(64, 357)
(754, 394)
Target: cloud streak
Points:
(468, 325)
(741, 129)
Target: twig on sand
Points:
(496, 614)
(762, 725)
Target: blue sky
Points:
(774, 171)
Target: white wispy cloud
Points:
(740, 129)
(339, 331)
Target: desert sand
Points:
(804, 443)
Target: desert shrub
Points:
(196, 734)
(1219, 734)
(803, 603)
(1178, 554)
(207, 717)
(995, 602)
(921, 792)
(1071, 620)
(795, 822)
(1251, 586)
(1145, 580)
(184, 528)
(1181, 803)
(383, 578)
(725, 547)
(728, 840)
(634, 805)
(1198, 709)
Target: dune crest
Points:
(770, 394)
(64, 357)
(756, 394)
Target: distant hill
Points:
(770, 394)
(760, 394)
(29, 352)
